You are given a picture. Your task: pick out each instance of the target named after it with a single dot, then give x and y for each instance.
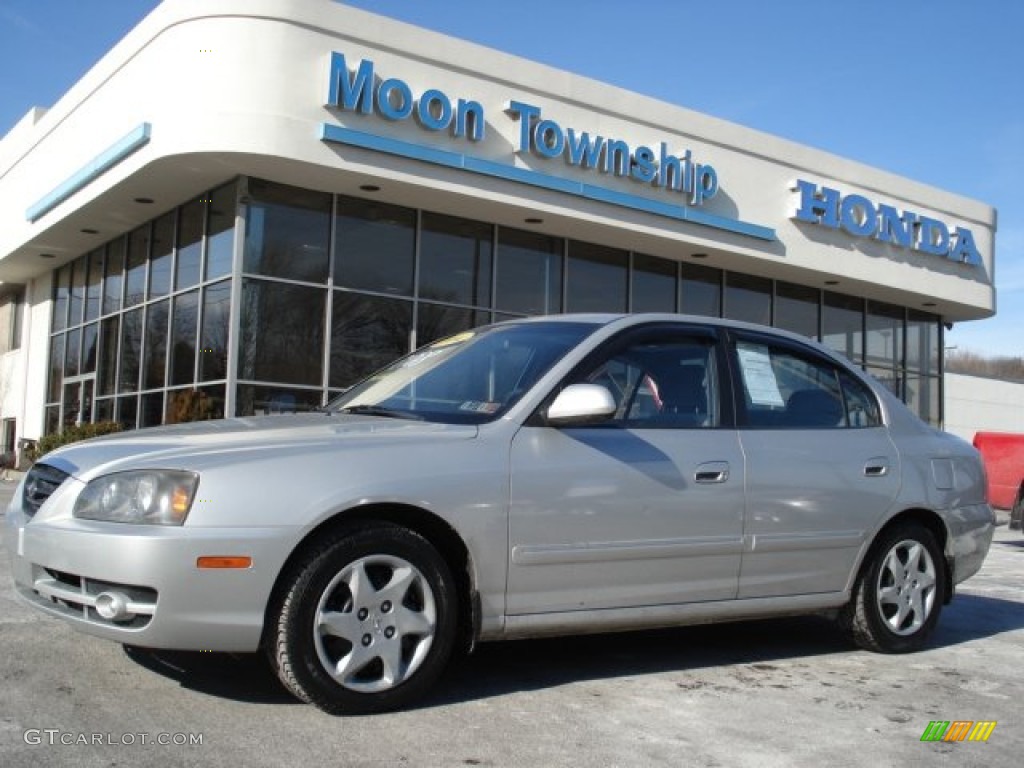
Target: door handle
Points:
(876, 470)
(712, 472)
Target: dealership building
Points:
(247, 205)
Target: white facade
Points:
(975, 404)
(202, 92)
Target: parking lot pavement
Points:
(787, 692)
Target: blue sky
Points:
(927, 89)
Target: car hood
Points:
(204, 443)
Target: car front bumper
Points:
(63, 566)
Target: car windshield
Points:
(469, 378)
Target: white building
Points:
(248, 204)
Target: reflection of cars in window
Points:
(535, 477)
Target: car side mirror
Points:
(581, 404)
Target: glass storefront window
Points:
(374, 246)
(151, 409)
(282, 333)
(78, 270)
(267, 401)
(183, 339)
(529, 272)
(105, 409)
(843, 325)
(72, 351)
(796, 309)
(884, 339)
(127, 412)
(455, 260)
(194, 404)
(93, 284)
(162, 256)
(653, 287)
(135, 266)
(89, 339)
(155, 349)
(220, 236)
(51, 417)
(889, 378)
(367, 332)
(61, 296)
(700, 290)
(131, 349)
(924, 345)
(469, 272)
(213, 344)
(748, 298)
(596, 278)
(923, 396)
(56, 368)
(109, 334)
(287, 232)
(190, 244)
(114, 280)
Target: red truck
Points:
(1003, 454)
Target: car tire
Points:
(365, 622)
(899, 593)
(1017, 513)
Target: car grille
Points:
(77, 596)
(40, 483)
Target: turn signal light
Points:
(223, 561)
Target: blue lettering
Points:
(818, 207)
(895, 227)
(355, 94)
(582, 151)
(526, 114)
(469, 120)
(434, 110)
(670, 173)
(548, 138)
(932, 237)
(705, 183)
(387, 106)
(858, 216)
(964, 249)
(616, 157)
(644, 168)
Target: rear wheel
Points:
(366, 622)
(1017, 513)
(899, 594)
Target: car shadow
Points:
(498, 669)
(244, 677)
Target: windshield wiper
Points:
(377, 410)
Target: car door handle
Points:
(875, 468)
(712, 472)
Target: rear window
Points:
(788, 389)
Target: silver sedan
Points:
(555, 475)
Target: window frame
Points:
(843, 374)
(651, 333)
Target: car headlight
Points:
(149, 497)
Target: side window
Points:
(660, 384)
(783, 389)
(861, 406)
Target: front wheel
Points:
(899, 594)
(366, 622)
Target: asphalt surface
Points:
(788, 692)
